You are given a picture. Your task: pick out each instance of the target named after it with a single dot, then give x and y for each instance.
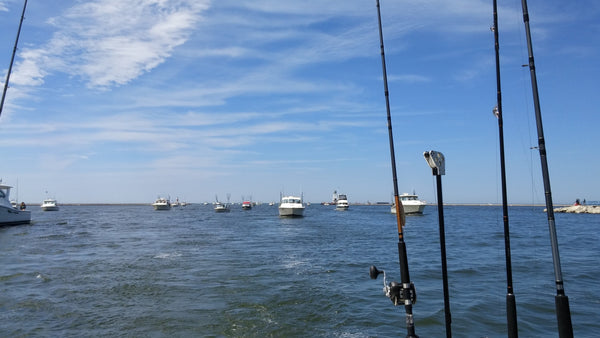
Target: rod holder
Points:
(436, 161)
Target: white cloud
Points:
(111, 42)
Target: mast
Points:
(406, 286)
(511, 306)
(563, 313)
(12, 58)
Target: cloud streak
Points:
(111, 42)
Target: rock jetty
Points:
(580, 209)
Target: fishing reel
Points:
(396, 292)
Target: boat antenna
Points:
(436, 161)
(511, 305)
(404, 293)
(563, 313)
(12, 58)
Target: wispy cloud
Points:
(110, 42)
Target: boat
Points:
(342, 203)
(291, 206)
(176, 203)
(49, 204)
(162, 204)
(246, 205)
(411, 204)
(221, 207)
(10, 215)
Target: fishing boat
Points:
(246, 205)
(162, 203)
(411, 203)
(49, 204)
(176, 203)
(10, 215)
(342, 203)
(221, 207)
(291, 206)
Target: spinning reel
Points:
(396, 292)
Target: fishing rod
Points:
(563, 313)
(404, 293)
(511, 305)
(436, 162)
(12, 58)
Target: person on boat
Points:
(23, 206)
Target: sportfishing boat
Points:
(411, 204)
(49, 204)
(176, 203)
(221, 207)
(291, 206)
(162, 204)
(342, 203)
(10, 215)
(246, 205)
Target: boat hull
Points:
(410, 208)
(161, 207)
(291, 212)
(221, 209)
(12, 216)
(49, 207)
(342, 206)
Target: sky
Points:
(123, 101)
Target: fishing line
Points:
(528, 146)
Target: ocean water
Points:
(127, 270)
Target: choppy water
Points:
(131, 271)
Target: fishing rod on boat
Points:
(511, 305)
(12, 58)
(405, 292)
(437, 164)
(563, 313)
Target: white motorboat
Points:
(411, 204)
(342, 203)
(221, 207)
(49, 204)
(176, 203)
(10, 215)
(291, 206)
(162, 204)
(246, 205)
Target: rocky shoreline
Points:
(580, 209)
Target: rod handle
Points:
(563, 314)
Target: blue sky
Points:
(122, 101)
